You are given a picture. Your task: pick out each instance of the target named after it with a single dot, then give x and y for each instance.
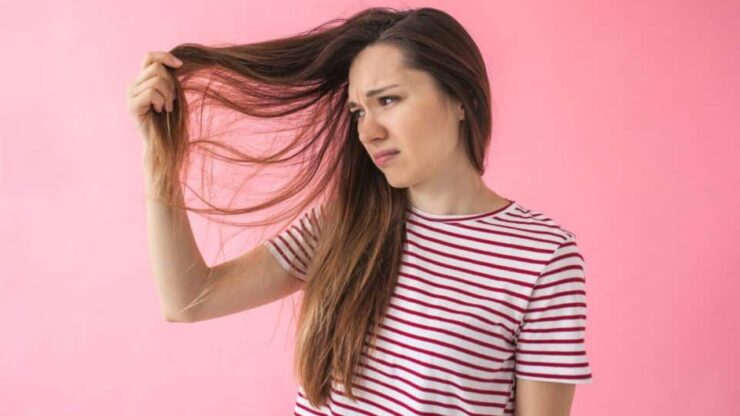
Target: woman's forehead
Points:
(374, 91)
(406, 79)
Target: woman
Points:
(424, 291)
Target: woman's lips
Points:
(385, 158)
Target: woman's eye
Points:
(354, 114)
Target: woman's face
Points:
(406, 113)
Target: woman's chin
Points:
(396, 182)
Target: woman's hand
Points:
(153, 88)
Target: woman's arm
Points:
(177, 265)
(543, 398)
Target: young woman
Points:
(424, 291)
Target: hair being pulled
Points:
(301, 81)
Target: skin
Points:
(543, 398)
(423, 124)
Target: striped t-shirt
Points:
(481, 300)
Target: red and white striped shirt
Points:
(481, 300)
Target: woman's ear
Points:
(459, 110)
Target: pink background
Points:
(617, 119)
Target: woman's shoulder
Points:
(539, 218)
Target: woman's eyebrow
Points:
(372, 93)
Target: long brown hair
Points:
(354, 268)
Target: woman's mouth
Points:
(385, 157)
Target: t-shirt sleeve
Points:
(293, 247)
(550, 341)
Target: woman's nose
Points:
(368, 128)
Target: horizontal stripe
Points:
(480, 301)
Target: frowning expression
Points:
(399, 108)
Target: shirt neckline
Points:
(462, 217)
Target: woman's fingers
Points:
(157, 82)
(164, 58)
(154, 87)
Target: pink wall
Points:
(618, 119)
